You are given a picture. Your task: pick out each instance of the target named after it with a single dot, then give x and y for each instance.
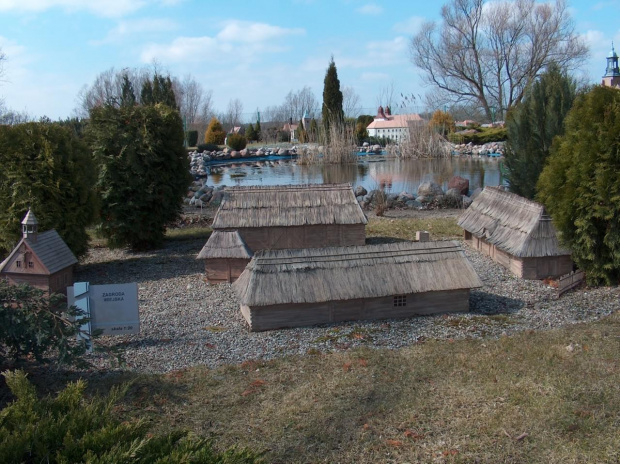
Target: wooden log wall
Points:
(307, 314)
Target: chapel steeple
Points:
(30, 226)
(612, 73)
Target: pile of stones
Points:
(430, 195)
(479, 150)
(199, 162)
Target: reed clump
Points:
(423, 143)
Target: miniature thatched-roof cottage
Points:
(42, 260)
(515, 232)
(291, 216)
(291, 288)
(225, 255)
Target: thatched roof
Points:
(225, 244)
(512, 223)
(290, 205)
(346, 273)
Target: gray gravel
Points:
(187, 322)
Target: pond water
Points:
(372, 172)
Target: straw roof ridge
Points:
(225, 244)
(344, 273)
(288, 205)
(512, 223)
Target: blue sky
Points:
(254, 51)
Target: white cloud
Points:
(139, 26)
(410, 25)
(387, 51)
(107, 8)
(370, 9)
(239, 39)
(246, 31)
(375, 77)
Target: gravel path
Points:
(187, 322)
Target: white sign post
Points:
(112, 308)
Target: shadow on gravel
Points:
(381, 240)
(177, 259)
(481, 302)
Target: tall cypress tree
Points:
(532, 126)
(128, 97)
(332, 98)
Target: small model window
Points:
(18, 264)
(30, 264)
(400, 300)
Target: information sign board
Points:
(113, 308)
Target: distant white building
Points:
(394, 127)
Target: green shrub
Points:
(579, 184)
(236, 141)
(70, 428)
(485, 135)
(46, 167)
(207, 147)
(215, 132)
(33, 325)
(192, 138)
(144, 172)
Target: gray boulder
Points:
(404, 197)
(453, 193)
(360, 191)
(430, 189)
(466, 201)
(413, 204)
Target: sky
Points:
(254, 51)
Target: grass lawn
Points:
(440, 228)
(538, 397)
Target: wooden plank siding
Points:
(220, 270)
(525, 268)
(307, 314)
(310, 236)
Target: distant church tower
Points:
(612, 73)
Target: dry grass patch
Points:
(537, 397)
(405, 228)
(188, 233)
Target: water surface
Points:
(372, 172)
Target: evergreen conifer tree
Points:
(250, 133)
(46, 167)
(257, 130)
(145, 171)
(128, 97)
(332, 112)
(215, 132)
(146, 94)
(532, 126)
(580, 186)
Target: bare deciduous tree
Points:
(232, 117)
(386, 96)
(351, 102)
(300, 103)
(189, 97)
(485, 54)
